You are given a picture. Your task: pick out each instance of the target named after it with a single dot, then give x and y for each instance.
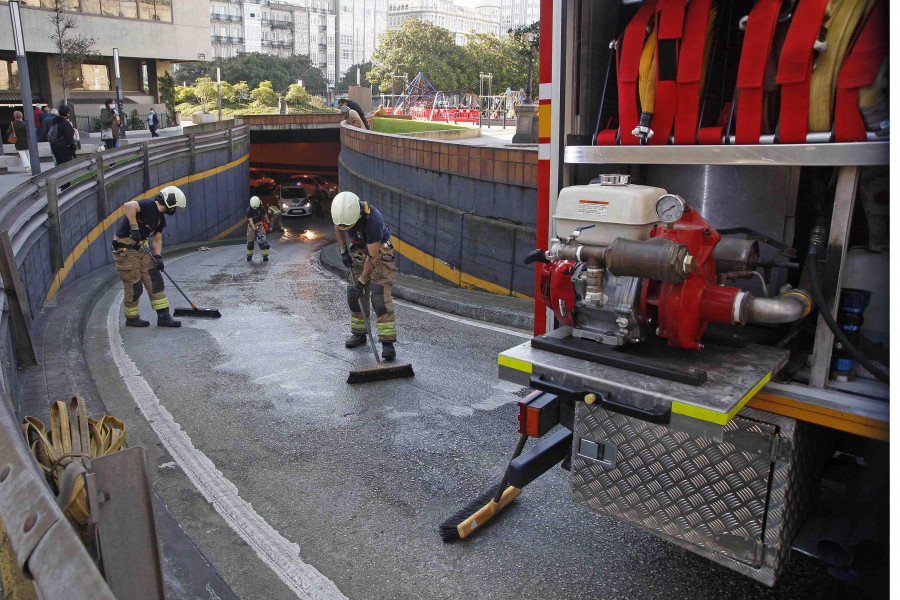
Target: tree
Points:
(282, 71)
(527, 40)
(241, 91)
(296, 94)
(349, 78)
(167, 95)
(191, 71)
(227, 92)
(489, 54)
(420, 46)
(264, 95)
(207, 90)
(186, 94)
(71, 49)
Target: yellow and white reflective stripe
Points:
(159, 304)
(132, 311)
(357, 324)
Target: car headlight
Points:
(306, 204)
(284, 206)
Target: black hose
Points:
(835, 328)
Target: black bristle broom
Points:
(381, 371)
(479, 511)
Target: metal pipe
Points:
(790, 307)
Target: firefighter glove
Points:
(345, 258)
(135, 232)
(158, 261)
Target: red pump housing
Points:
(557, 290)
(681, 311)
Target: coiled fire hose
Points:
(72, 437)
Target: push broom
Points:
(479, 511)
(381, 371)
(193, 311)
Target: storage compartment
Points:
(738, 501)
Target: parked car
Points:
(293, 200)
(260, 182)
(330, 187)
(311, 186)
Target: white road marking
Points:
(464, 320)
(282, 556)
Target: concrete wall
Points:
(462, 214)
(216, 202)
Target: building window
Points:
(94, 78)
(9, 75)
(265, 35)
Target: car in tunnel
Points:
(330, 188)
(313, 187)
(260, 182)
(293, 200)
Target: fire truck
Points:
(711, 313)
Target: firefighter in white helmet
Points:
(370, 256)
(142, 226)
(257, 220)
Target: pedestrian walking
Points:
(19, 130)
(370, 257)
(61, 136)
(39, 122)
(256, 232)
(352, 117)
(142, 226)
(153, 123)
(354, 106)
(109, 125)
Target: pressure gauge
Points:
(670, 208)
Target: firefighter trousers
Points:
(378, 294)
(251, 239)
(137, 272)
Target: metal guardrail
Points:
(47, 548)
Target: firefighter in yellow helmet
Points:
(256, 229)
(370, 256)
(140, 228)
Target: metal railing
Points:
(47, 548)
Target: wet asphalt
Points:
(360, 476)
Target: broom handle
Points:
(171, 280)
(368, 330)
(502, 487)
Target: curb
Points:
(479, 305)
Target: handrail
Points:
(47, 548)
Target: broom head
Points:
(380, 373)
(475, 514)
(209, 313)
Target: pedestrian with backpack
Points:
(62, 137)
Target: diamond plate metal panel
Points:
(738, 506)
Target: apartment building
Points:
(149, 34)
(517, 13)
(460, 20)
(332, 39)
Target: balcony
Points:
(279, 43)
(281, 23)
(226, 18)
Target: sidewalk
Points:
(501, 310)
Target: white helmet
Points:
(255, 201)
(171, 197)
(345, 210)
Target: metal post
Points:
(145, 151)
(219, 84)
(19, 311)
(838, 237)
(193, 142)
(56, 251)
(123, 121)
(25, 83)
(230, 144)
(101, 189)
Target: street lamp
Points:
(25, 84)
(119, 103)
(219, 84)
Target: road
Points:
(295, 484)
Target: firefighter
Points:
(256, 232)
(142, 224)
(275, 218)
(370, 256)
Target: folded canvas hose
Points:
(693, 60)
(759, 35)
(867, 51)
(60, 451)
(842, 19)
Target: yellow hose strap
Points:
(647, 77)
(72, 437)
(842, 19)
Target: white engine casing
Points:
(626, 211)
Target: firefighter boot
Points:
(387, 351)
(357, 339)
(164, 319)
(136, 322)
